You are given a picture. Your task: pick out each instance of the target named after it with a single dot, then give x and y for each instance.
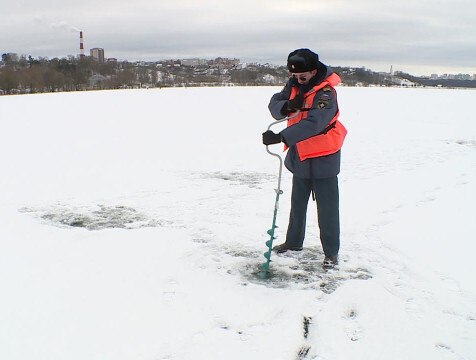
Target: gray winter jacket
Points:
(318, 119)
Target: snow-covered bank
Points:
(170, 193)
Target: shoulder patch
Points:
(327, 88)
(322, 104)
(323, 100)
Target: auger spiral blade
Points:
(267, 255)
(265, 273)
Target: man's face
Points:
(304, 77)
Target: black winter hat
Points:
(302, 60)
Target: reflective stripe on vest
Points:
(332, 138)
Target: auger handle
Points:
(278, 190)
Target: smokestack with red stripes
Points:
(81, 45)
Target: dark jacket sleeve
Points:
(324, 108)
(279, 100)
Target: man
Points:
(314, 137)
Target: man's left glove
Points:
(270, 138)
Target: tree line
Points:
(25, 74)
(29, 75)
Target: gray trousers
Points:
(327, 198)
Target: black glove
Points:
(293, 105)
(270, 138)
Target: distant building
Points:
(463, 77)
(97, 54)
(190, 62)
(171, 63)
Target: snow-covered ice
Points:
(132, 224)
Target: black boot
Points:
(330, 262)
(285, 247)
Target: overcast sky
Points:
(416, 36)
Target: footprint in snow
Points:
(352, 327)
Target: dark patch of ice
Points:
(97, 218)
(296, 269)
(470, 143)
(251, 179)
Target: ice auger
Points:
(264, 273)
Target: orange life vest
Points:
(331, 139)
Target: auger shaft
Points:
(264, 274)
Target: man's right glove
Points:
(293, 105)
(270, 138)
